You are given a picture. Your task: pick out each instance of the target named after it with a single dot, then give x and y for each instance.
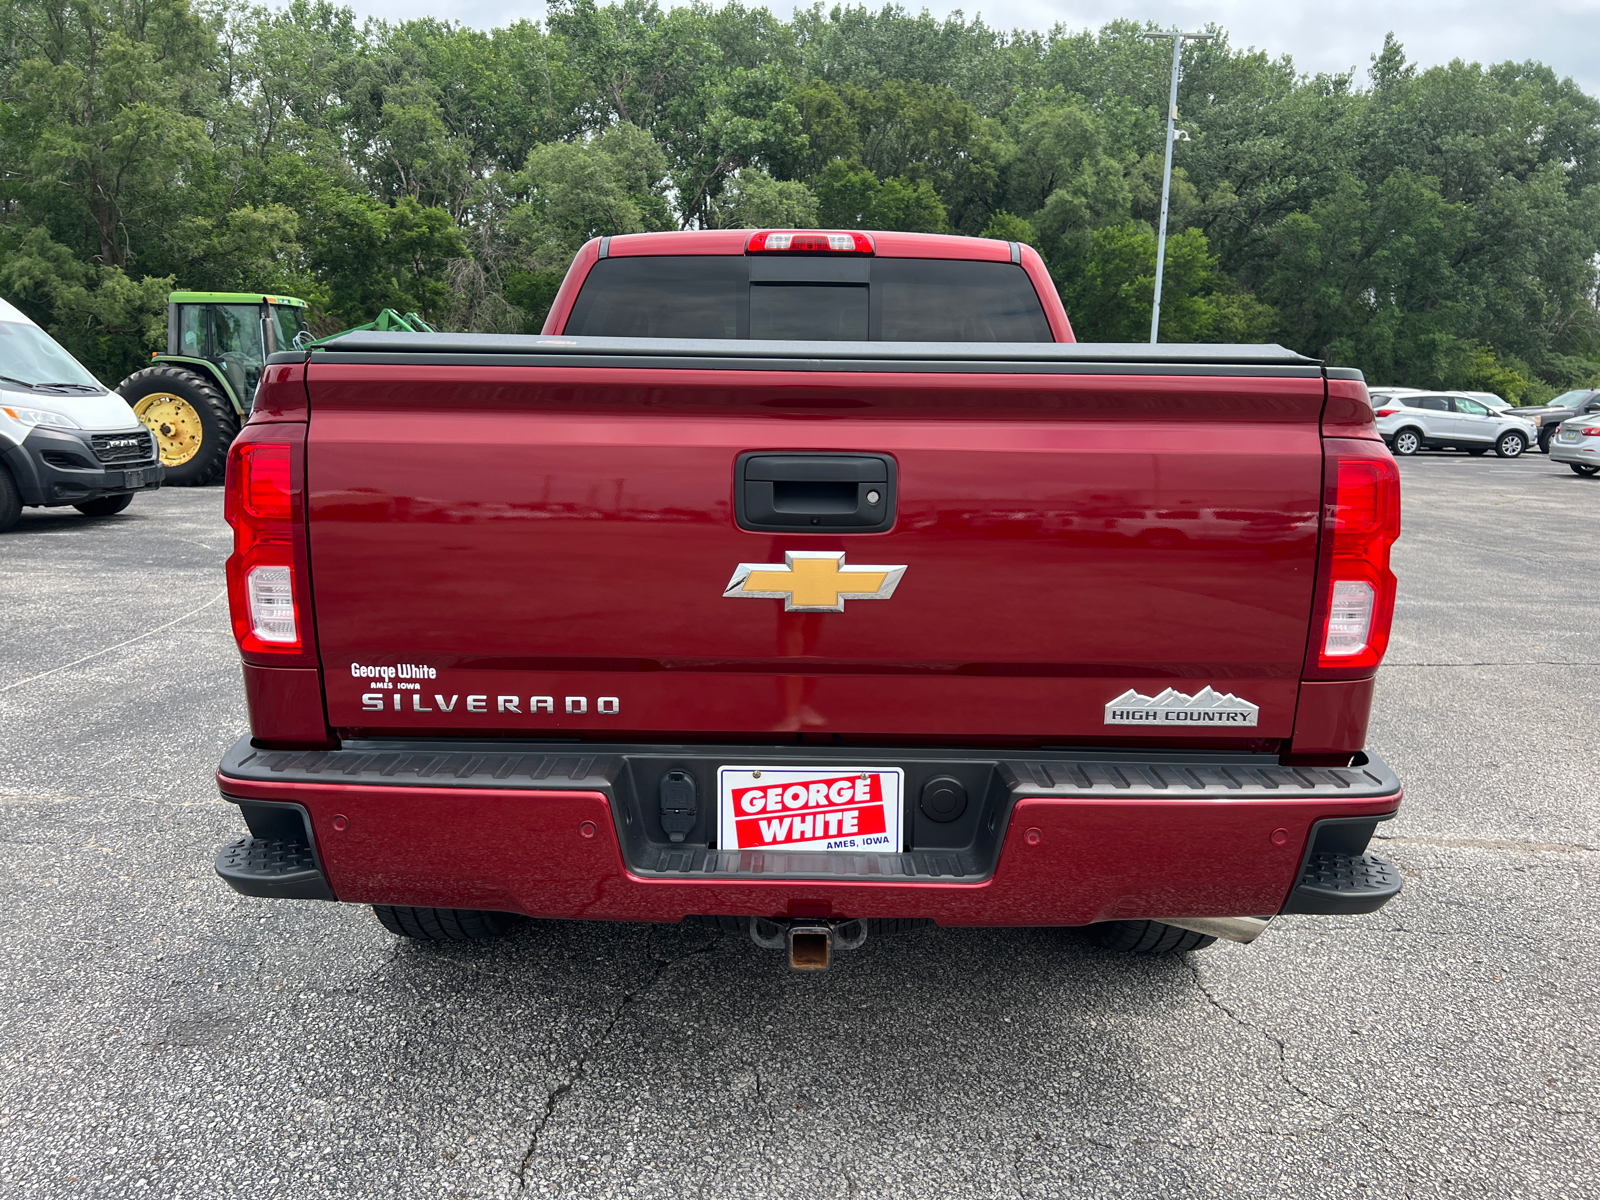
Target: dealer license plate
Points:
(133, 479)
(841, 808)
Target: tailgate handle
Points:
(814, 493)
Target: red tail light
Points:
(1590, 431)
(808, 241)
(1386, 412)
(267, 584)
(1355, 588)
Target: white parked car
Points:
(64, 438)
(1577, 443)
(1410, 421)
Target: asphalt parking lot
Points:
(162, 1036)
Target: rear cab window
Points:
(809, 299)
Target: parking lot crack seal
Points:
(1283, 1053)
(1488, 844)
(552, 1100)
(762, 1098)
(1532, 662)
(130, 641)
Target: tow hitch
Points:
(811, 943)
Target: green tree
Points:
(1110, 299)
(372, 256)
(755, 200)
(103, 113)
(1010, 228)
(849, 196)
(574, 191)
(106, 319)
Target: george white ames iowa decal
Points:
(1207, 707)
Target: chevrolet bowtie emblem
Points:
(812, 581)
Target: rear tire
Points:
(1546, 436)
(10, 500)
(1511, 445)
(106, 506)
(1577, 469)
(1147, 937)
(1407, 442)
(193, 422)
(445, 924)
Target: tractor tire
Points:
(10, 500)
(193, 422)
(1147, 937)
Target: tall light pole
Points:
(1178, 37)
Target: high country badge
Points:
(812, 581)
(1206, 707)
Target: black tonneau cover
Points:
(482, 349)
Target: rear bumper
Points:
(1059, 839)
(1585, 453)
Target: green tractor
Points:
(198, 394)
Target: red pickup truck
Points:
(812, 585)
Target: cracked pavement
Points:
(160, 1035)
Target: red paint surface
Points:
(571, 283)
(281, 394)
(285, 706)
(1331, 722)
(568, 532)
(1349, 411)
(525, 851)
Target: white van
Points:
(64, 439)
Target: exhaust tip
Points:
(810, 948)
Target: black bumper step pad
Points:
(1219, 778)
(280, 868)
(1344, 884)
(422, 764)
(1081, 775)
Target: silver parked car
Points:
(1491, 401)
(1410, 421)
(1577, 443)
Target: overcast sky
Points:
(1330, 35)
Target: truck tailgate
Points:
(543, 550)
